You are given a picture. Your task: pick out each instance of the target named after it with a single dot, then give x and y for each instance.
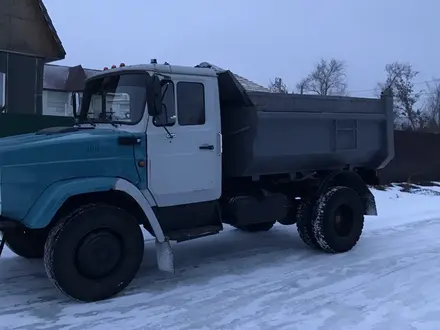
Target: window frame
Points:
(88, 97)
(167, 124)
(203, 98)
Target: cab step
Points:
(188, 234)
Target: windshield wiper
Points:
(87, 121)
(107, 120)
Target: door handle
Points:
(206, 147)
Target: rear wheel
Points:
(304, 223)
(256, 227)
(26, 243)
(94, 253)
(339, 220)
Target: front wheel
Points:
(94, 253)
(338, 220)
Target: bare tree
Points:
(303, 86)
(327, 78)
(400, 78)
(432, 106)
(278, 86)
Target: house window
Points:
(2, 90)
(56, 103)
(190, 103)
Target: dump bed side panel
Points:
(285, 133)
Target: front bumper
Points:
(5, 225)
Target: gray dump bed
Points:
(269, 133)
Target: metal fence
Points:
(417, 158)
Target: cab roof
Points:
(160, 68)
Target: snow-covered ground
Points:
(235, 280)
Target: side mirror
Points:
(155, 106)
(75, 97)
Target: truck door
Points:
(184, 160)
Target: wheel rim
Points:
(98, 254)
(343, 221)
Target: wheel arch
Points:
(146, 207)
(354, 181)
(67, 196)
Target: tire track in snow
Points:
(241, 281)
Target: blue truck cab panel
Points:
(40, 171)
(54, 196)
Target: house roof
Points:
(65, 78)
(62, 51)
(247, 84)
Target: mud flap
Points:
(165, 256)
(370, 205)
(2, 243)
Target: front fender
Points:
(54, 196)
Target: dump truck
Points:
(181, 151)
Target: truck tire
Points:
(338, 220)
(256, 227)
(26, 243)
(94, 252)
(304, 225)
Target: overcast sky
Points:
(258, 39)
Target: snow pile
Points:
(396, 207)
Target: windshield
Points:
(115, 99)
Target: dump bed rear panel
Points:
(270, 133)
